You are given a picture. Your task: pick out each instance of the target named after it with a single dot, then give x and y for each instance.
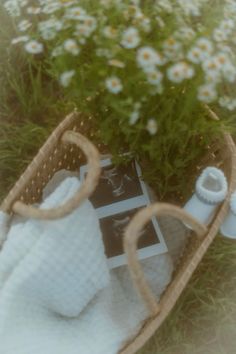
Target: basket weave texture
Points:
(63, 152)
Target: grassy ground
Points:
(204, 319)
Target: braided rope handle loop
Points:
(132, 235)
(86, 189)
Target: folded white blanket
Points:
(111, 318)
(61, 263)
(53, 269)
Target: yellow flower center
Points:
(212, 66)
(171, 41)
(222, 60)
(130, 39)
(114, 83)
(203, 46)
(176, 73)
(146, 56)
(88, 22)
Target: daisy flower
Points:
(22, 3)
(172, 48)
(104, 52)
(71, 46)
(51, 7)
(220, 35)
(152, 126)
(227, 102)
(86, 28)
(33, 10)
(211, 65)
(24, 25)
(114, 85)
(34, 47)
(116, 63)
(146, 24)
(57, 51)
(130, 38)
(90, 24)
(148, 57)
(67, 3)
(110, 32)
(229, 72)
(154, 77)
(195, 55)
(20, 39)
(224, 101)
(75, 13)
(222, 58)
(185, 33)
(180, 71)
(65, 78)
(160, 21)
(171, 43)
(227, 25)
(207, 93)
(13, 8)
(48, 29)
(134, 117)
(205, 45)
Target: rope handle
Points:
(132, 234)
(86, 189)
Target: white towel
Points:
(114, 316)
(61, 263)
(31, 308)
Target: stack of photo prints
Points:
(120, 193)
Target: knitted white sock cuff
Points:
(210, 195)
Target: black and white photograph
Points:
(120, 193)
(113, 230)
(116, 184)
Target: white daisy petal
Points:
(71, 46)
(34, 47)
(113, 84)
(152, 126)
(65, 78)
(130, 38)
(20, 39)
(207, 93)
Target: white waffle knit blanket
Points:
(50, 272)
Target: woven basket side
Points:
(192, 257)
(52, 157)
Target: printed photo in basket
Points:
(120, 193)
(112, 227)
(116, 184)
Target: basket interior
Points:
(69, 157)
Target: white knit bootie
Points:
(210, 190)
(228, 227)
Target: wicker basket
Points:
(63, 151)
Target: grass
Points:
(204, 319)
